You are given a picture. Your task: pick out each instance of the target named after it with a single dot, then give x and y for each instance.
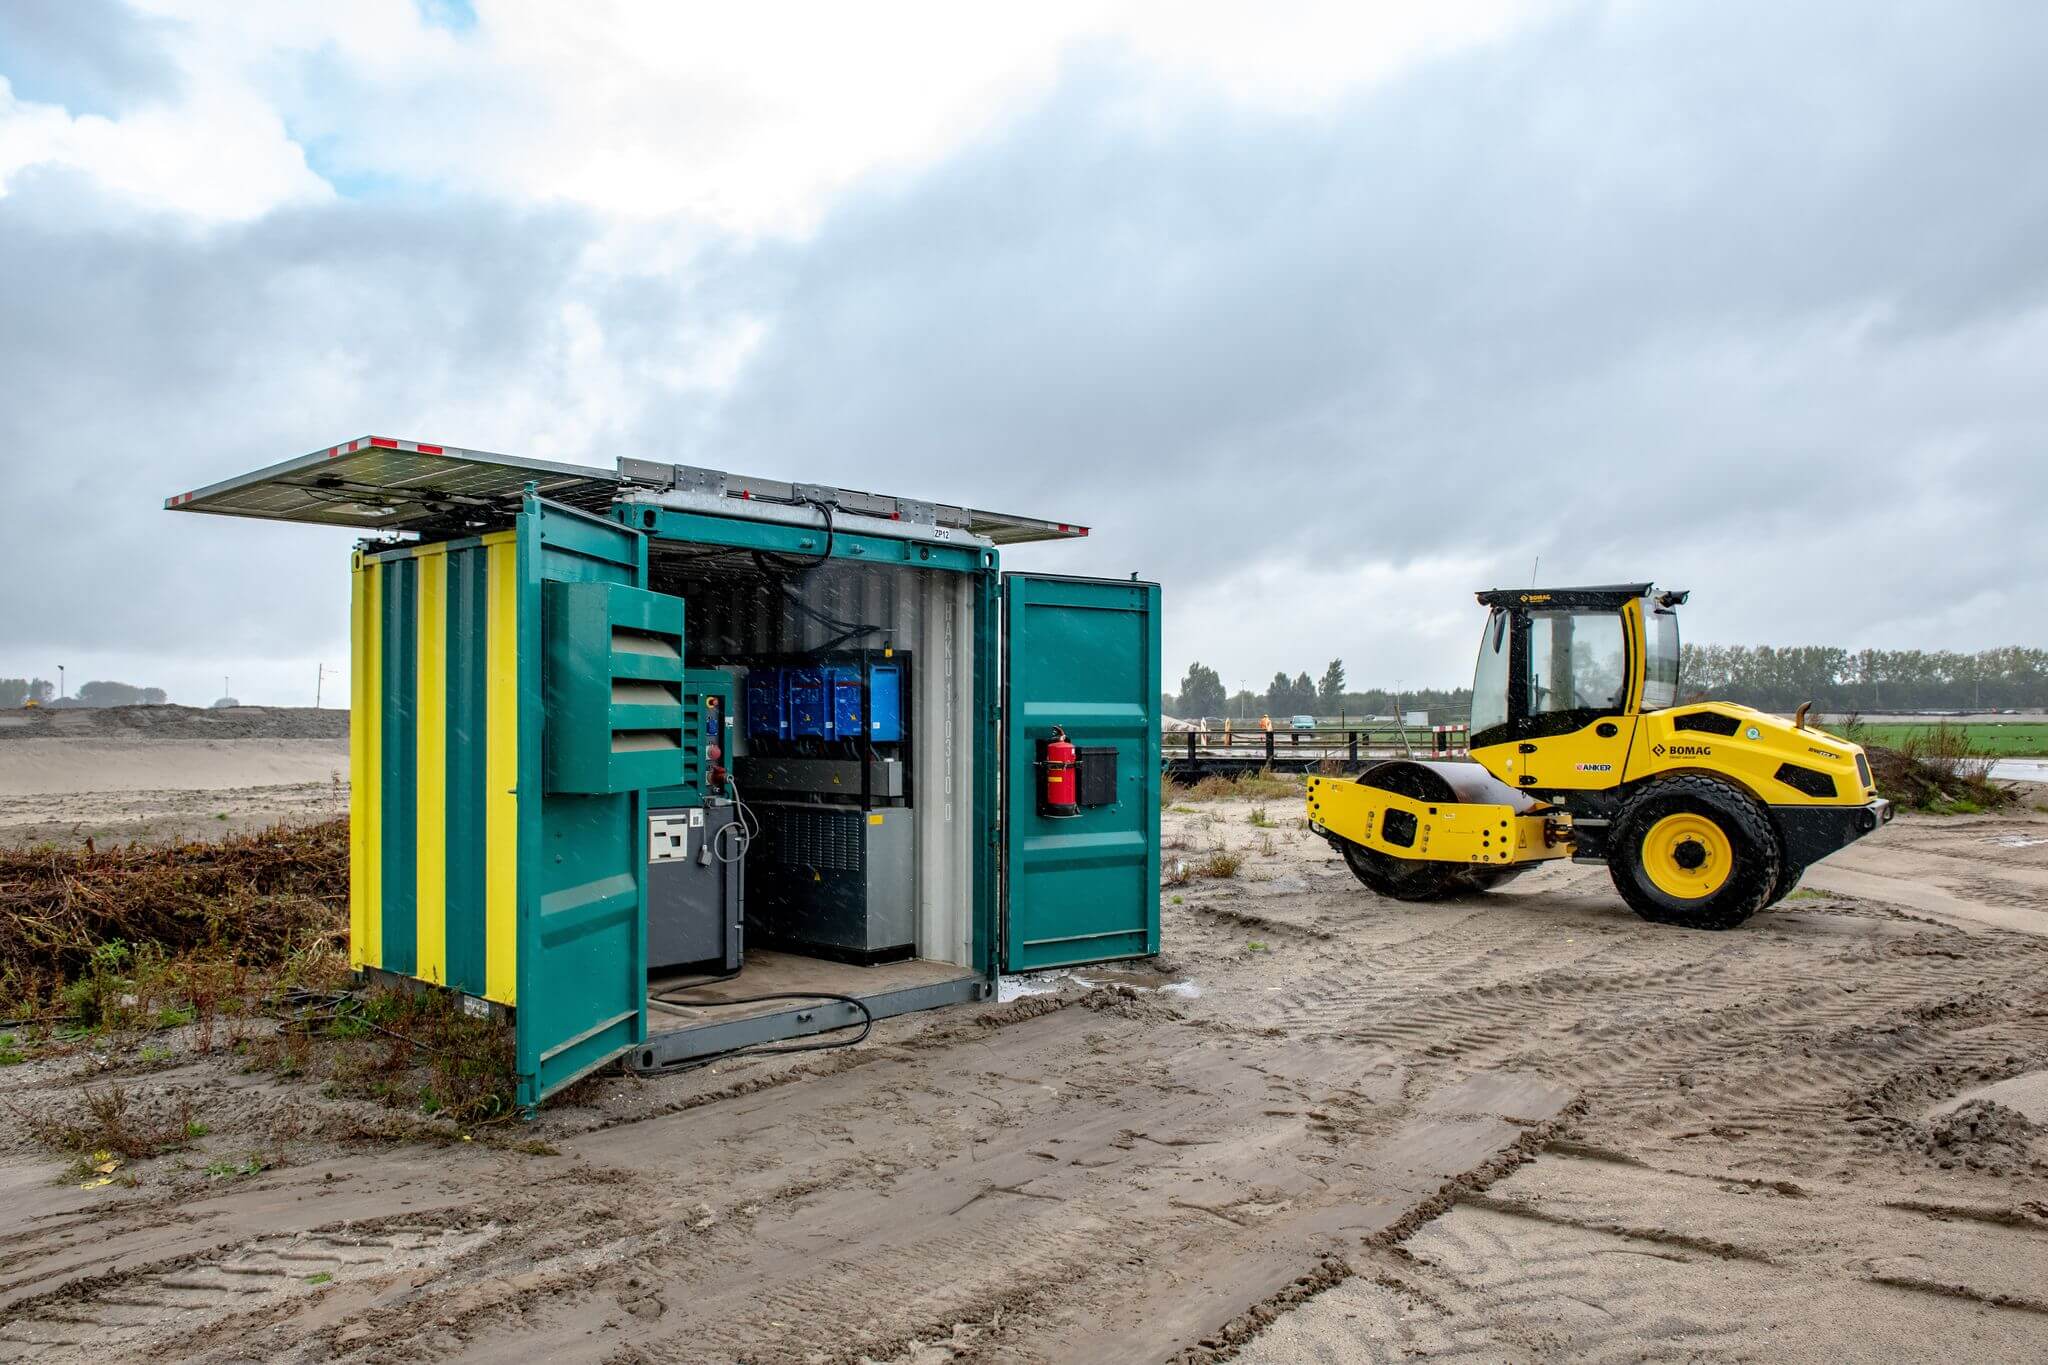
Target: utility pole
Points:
(319, 679)
(60, 682)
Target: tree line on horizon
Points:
(16, 692)
(1768, 677)
(1202, 693)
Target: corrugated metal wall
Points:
(434, 755)
(739, 614)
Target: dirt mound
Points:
(174, 722)
(1935, 781)
(249, 896)
(1984, 1126)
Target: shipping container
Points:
(794, 734)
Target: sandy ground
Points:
(1321, 1127)
(64, 791)
(163, 773)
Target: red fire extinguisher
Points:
(1061, 795)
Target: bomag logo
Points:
(1683, 751)
(1835, 758)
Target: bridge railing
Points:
(1352, 743)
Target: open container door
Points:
(600, 660)
(1081, 654)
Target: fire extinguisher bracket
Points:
(1059, 777)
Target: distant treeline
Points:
(1202, 694)
(1866, 679)
(1763, 676)
(20, 691)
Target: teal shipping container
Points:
(547, 662)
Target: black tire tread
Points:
(1749, 889)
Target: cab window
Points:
(1660, 667)
(1577, 662)
(1490, 676)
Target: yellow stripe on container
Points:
(358, 767)
(366, 784)
(430, 701)
(501, 773)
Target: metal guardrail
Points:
(1196, 753)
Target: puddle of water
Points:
(1010, 988)
(2021, 769)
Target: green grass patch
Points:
(1987, 739)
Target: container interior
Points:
(848, 729)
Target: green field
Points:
(2015, 739)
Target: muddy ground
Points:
(1322, 1126)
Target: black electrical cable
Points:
(696, 982)
(867, 1026)
(773, 563)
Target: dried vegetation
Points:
(141, 954)
(1934, 770)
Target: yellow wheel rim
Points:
(1688, 856)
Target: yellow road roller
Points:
(1704, 812)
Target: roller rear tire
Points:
(1696, 852)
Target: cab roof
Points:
(1604, 597)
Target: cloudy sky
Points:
(1323, 316)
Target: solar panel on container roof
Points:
(377, 484)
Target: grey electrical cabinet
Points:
(835, 881)
(695, 888)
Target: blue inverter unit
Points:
(885, 703)
(810, 713)
(767, 704)
(844, 686)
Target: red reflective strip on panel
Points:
(428, 450)
(381, 441)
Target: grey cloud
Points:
(144, 359)
(1559, 280)
(1754, 299)
(90, 56)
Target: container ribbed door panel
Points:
(1081, 655)
(583, 771)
